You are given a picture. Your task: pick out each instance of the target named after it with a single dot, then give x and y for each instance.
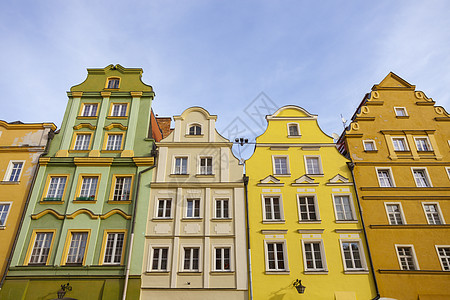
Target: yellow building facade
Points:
(303, 215)
(399, 142)
(20, 147)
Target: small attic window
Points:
(293, 129)
(400, 112)
(113, 83)
(195, 130)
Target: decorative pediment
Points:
(270, 181)
(304, 180)
(339, 180)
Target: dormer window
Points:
(113, 83)
(400, 112)
(195, 130)
(293, 129)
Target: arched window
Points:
(113, 83)
(195, 130)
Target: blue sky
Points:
(321, 55)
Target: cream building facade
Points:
(195, 236)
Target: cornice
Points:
(93, 161)
(409, 226)
(405, 188)
(413, 272)
(424, 197)
(115, 125)
(84, 125)
(144, 161)
(78, 212)
(197, 184)
(195, 144)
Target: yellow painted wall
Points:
(278, 285)
(377, 120)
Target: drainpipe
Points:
(351, 166)
(133, 223)
(50, 136)
(250, 286)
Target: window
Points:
(275, 256)
(160, 258)
(191, 259)
(385, 178)
(14, 171)
(195, 130)
(206, 165)
(293, 130)
(422, 144)
(222, 209)
(272, 209)
(307, 208)
(114, 142)
(89, 110)
(433, 213)
(119, 110)
(421, 178)
(164, 208)
(77, 248)
(41, 248)
(400, 144)
(352, 255)
(313, 256)
(343, 207)
(222, 259)
(407, 258)
(448, 171)
(181, 165)
(56, 188)
(280, 165)
(88, 188)
(113, 248)
(4, 210)
(82, 142)
(122, 188)
(113, 83)
(193, 208)
(400, 112)
(394, 213)
(444, 256)
(313, 165)
(369, 145)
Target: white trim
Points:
(174, 158)
(362, 255)
(413, 254)
(322, 254)
(213, 257)
(400, 108)
(298, 130)
(7, 213)
(352, 207)
(427, 176)
(447, 169)
(371, 142)
(316, 208)
(199, 158)
(439, 257)
(161, 198)
(200, 206)
(405, 143)
(188, 127)
(305, 157)
(10, 169)
(427, 140)
(285, 256)
(288, 170)
(263, 202)
(401, 212)
(391, 175)
(200, 257)
(151, 253)
(114, 248)
(230, 207)
(438, 207)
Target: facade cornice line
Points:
(410, 226)
(197, 184)
(406, 188)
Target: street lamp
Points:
(64, 288)
(298, 285)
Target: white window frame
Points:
(427, 142)
(289, 131)
(399, 108)
(121, 190)
(151, 254)
(82, 146)
(425, 172)
(352, 207)
(285, 257)
(85, 113)
(188, 129)
(324, 268)
(217, 199)
(263, 197)
(305, 157)
(122, 111)
(164, 200)
(316, 208)
(447, 169)
(41, 248)
(204, 170)
(405, 143)
(372, 142)
(402, 216)
(391, 175)
(447, 258)
(88, 185)
(113, 83)
(174, 167)
(362, 255)
(6, 214)
(112, 143)
(231, 258)
(195, 199)
(413, 255)
(288, 171)
(200, 258)
(10, 169)
(58, 187)
(113, 255)
(439, 211)
(77, 256)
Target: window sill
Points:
(318, 272)
(84, 201)
(356, 272)
(119, 201)
(194, 135)
(189, 273)
(157, 272)
(402, 151)
(226, 272)
(191, 219)
(425, 152)
(51, 202)
(310, 221)
(294, 136)
(315, 175)
(346, 221)
(117, 117)
(205, 175)
(9, 182)
(402, 117)
(274, 221)
(110, 151)
(79, 151)
(273, 272)
(178, 175)
(87, 117)
(282, 175)
(2, 227)
(221, 219)
(371, 151)
(161, 220)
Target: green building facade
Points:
(92, 186)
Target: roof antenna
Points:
(344, 121)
